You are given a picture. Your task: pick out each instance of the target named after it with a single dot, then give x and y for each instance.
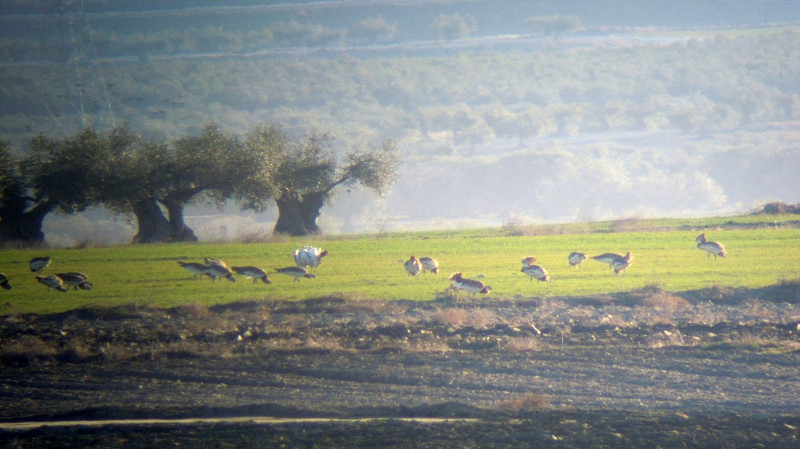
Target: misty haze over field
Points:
(531, 113)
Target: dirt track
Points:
(569, 373)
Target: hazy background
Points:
(506, 112)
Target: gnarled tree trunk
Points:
(297, 214)
(19, 227)
(153, 226)
(311, 207)
(290, 216)
(179, 232)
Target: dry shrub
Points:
(756, 309)
(705, 313)
(528, 401)
(76, 351)
(322, 343)
(257, 236)
(371, 306)
(755, 342)
(292, 321)
(26, 349)
(513, 227)
(666, 338)
(523, 344)
(479, 318)
(30, 348)
(666, 300)
(193, 310)
(653, 317)
(429, 344)
(116, 352)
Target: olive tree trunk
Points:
(178, 232)
(297, 214)
(153, 226)
(19, 227)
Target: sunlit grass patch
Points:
(369, 268)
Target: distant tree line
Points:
(131, 174)
(706, 85)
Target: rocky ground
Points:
(718, 367)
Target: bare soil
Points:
(716, 368)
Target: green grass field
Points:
(369, 267)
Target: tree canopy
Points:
(146, 177)
(303, 174)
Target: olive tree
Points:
(136, 173)
(59, 174)
(301, 175)
(147, 178)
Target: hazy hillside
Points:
(525, 111)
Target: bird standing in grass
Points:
(710, 246)
(576, 258)
(472, 286)
(257, 274)
(309, 257)
(53, 282)
(296, 272)
(621, 263)
(4, 282)
(38, 264)
(413, 266)
(536, 272)
(75, 280)
(429, 264)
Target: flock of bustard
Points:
(310, 257)
(617, 262)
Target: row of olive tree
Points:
(144, 177)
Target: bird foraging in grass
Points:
(429, 264)
(472, 286)
(257, 274)
(53, 282)
(710, 246)
(197, 269)
(608, 258)
(413, 266)
(576, 258)
(4, 282)
(296, 272)
(218, 271)
(37, 264)
(536, 272)
(211, 262)
(620, 264)
(75, 280)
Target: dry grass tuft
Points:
(322, 343)
(524, 344)
(666, 300)
(478, 318)
(528, 401)
(26, 349)
(666, 338)
(428, 344)
(193, 311)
